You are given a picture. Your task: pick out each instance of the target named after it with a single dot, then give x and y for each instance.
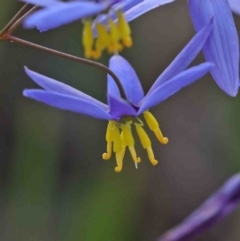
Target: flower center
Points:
(119, 136)
(112, 38)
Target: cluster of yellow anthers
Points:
(119, 136)
(108, 37)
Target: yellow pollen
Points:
(146, 143)
(87, 38)
(154, 126)
(124, 30)
(129, 141)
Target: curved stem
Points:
(13, 20)
(68, 56)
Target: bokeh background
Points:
(54, 186)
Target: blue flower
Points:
(109, 30)
(218, 206)
(121, 113)
(222, 47)
(235, 6)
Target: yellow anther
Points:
(102, 38)
(146, 143)
(124, 30)
(134, 154)
(114, 45)
(128, 140)
(112, 136)
(127, 134)
(117, 143)
(154, 126)
(87, 38)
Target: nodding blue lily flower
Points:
(235, 6)
(105, 22)
(218, 206)
(222, 47)
(124, 113)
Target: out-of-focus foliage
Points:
(53, 183)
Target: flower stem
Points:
(68, 56)
(19, 21)
(13, 20)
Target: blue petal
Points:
(123, 5)
(235, 6)
(231, 189)
(222, 47)
(132, 9)
(56, 86)
(174, 85)
(112, 88)
(67, 102)
(144, 7)
(43, 3)
(211, 212)
(128, 77)
(185, 57)
(119, 108)
(61, 14)
(126, 5)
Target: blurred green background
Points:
(54, 186)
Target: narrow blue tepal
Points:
(222, 46)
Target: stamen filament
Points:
(129, 141)
(146, 143)
(134, 154)
(107, 155)
(154, 126)
(151, 156)
(119, 159)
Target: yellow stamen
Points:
(151, 156)
(146, 143)
(154, 126)
(129, 141)
(87, 38)
(124, 30)
(96, 54)
(112, 136)
(117, 143)
(114, 45)
(120, 156)
(107, 155)
(102, 38)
